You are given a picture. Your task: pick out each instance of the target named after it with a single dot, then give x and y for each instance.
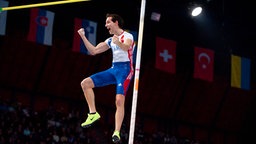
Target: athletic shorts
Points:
(119, 74)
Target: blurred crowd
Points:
(20, 125)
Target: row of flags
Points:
(41, 29)
(203, 63)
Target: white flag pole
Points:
(137, 72)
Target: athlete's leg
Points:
(120, 110)
(119, 116)
(123, 79)
(96, 80)
(87, 86)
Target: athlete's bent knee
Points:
(86, 83)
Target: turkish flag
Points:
(165, 55)
(204, 61)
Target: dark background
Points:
(41, 76)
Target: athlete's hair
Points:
(116, 17)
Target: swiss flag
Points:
(165, 55)
(204, 61)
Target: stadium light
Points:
(195, 9)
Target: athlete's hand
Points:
(115, 39)
(81, 31)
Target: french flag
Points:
(41, 25)
(90, 28)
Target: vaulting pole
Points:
(40, 4)
(137, 72)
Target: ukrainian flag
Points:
(240, 72)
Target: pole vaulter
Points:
(138, 55)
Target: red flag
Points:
(204, 60)
(165, 55)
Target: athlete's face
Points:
(110, 25)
